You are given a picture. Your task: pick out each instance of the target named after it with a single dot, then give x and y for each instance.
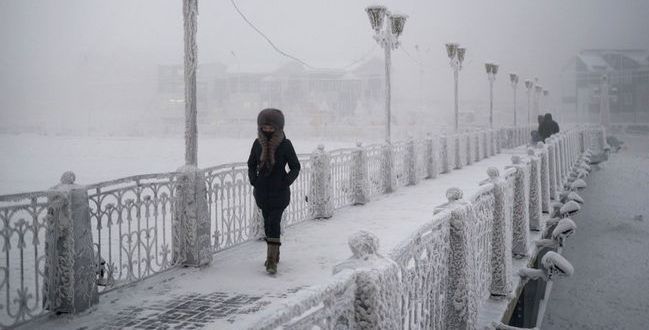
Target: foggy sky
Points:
(59, 58)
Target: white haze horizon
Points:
(66, 61)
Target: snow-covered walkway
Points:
(235, 289)
(610, 250)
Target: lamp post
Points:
(529, 85)
(387, 36)
(513, 78)
(456, 55)
(492, 70)
(537, 96)
(190, 12)
(546, 101)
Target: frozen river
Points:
(36, 162)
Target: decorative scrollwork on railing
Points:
(131, 221)
(23, 227)
(480, 244)
(423, 259)
(421, 161)
(231, 205)
(341, 170)
(399, 152)
(375, 160)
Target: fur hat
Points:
(272, 117)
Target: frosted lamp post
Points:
(456, 55)
(546, 101)
(190, 12)
(529, 85)
(387, 36)
(537, 95)
(492, 70)
(513, 78)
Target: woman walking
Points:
(270, 154)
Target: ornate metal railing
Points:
(423, 259)
(231, 205)
(375, 164)
(421, 158)
(131, 221)
(399, 154)
(328, 306)
(480, 233)
(23, 226)
(341, 171)
(298, 209)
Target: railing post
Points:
(411, 162)
(321, 202)
(462, 306)
(431, 159)
(389, 177)
(545, 177)
(557, 166)
(485, 143)
(360, 176)
(378, 295)
(69, 282)
(191, 222)
(501, 237)
(535, 191)
(446, 167)
(458, 153)
(551, 168)
(520, 216)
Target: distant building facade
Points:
(628, 75)
(235, 96)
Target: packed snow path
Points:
(610, 288)
(235, 290)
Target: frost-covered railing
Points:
(131, 222)
(456, 261)
(328, 306)
(133, 219)
(423, 259)
(23, 226)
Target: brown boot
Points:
(268, 254)
(271, 264)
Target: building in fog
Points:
(230, 96)
(628, 73)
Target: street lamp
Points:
(546, 101)
(492, 70)
(387, 36)
(529, 85)
(538, 89)
(456, 55)
(513, 78)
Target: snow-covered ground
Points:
(610, 250)
(36, 162)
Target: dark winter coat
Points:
(548, 127)
(271, 190)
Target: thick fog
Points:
(86, 65)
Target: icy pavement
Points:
(234, 291)
(610, 250)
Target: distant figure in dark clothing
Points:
(548, 127)
(536, 135)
